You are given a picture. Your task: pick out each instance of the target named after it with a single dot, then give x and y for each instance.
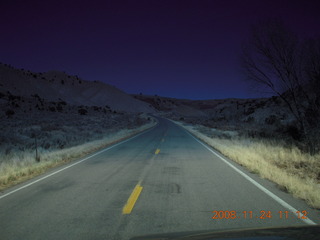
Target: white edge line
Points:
(272, 195)
(69, 166)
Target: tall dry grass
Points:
(294, 171)
(23, 165)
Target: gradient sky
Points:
(185, 49)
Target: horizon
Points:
(140, 93)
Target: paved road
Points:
(174, 184)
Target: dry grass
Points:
(294, 171)
(24, 167)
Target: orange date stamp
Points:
(263, 214)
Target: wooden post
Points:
(37, 156)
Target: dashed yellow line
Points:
(134, 195)
(132, 199)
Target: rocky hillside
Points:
(262, 116)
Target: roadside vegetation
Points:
(277, 60)
(294, 171)
(33, 143)
(277, 138)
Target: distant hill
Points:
(235, 114)
(59, 86)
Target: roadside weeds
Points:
(14, 172)
(295, 172)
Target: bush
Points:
(82, 111)
(270, 120)
(9, 113)
(250, 119)
(95, 108)
(293, 132)
(249, 111)
(59, 108)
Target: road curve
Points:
(163, 180)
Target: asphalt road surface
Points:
(163, 180)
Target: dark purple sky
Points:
(184, 49)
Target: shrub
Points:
(293, 132)
(59, 108)
(36, 96)
(250, 119)
(249, 111)
(271, 119)
(9, 113)
(82, 111)
(95, 108)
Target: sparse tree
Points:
(275, 58)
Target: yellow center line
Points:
(132, 199)
(134, 195)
